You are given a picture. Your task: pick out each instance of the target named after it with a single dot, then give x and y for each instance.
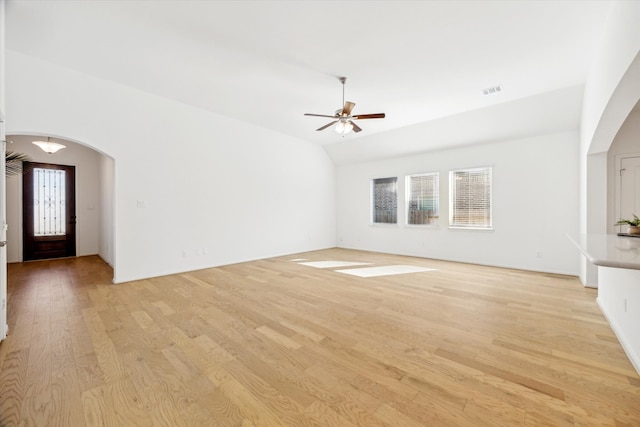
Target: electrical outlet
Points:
(538, 254)
(625, 305)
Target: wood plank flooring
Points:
(273, 343)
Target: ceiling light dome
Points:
(49, 146)
(344, 127)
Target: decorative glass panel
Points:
(49, 202)
(385, 200)
(423, 198)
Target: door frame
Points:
(618, 190)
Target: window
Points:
(384, 195)
(49, 217)
(423, 198)
(470, 198)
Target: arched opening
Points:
(623, 152)
(599, 193)
(94, 191)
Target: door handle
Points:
(3, 244)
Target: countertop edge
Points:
(604, 262)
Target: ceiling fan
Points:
(343, 117)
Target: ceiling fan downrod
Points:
(343, 80)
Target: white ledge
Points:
(609, 250)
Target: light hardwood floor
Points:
(271, 343)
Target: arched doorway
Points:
(94, 196)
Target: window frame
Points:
(50, 215)
(436, 199)
(452, 199)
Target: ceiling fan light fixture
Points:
(343, 119)
(49, 146)
(343, 127)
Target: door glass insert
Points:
(49, 202)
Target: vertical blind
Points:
(385, 200)
(423, 198)
(49, 202)
(470, 198)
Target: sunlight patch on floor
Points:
(387, 270)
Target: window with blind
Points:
(470, 198)
(384, 200)
(423, 198)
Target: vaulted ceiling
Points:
(423, 63)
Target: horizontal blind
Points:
(470, 198)
(384, 193)
(423, 198)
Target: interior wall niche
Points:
(625, 144)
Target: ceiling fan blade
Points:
(348, 106)
(327, 125)
(369, 116)
(319, 115)
(356, 128)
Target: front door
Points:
(49, 211)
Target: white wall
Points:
(193, 189)
(535, 203)
(88, 196)
(107, 209)
(2, 59)
(3, 254)
(614, 58)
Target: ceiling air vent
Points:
(491, 90)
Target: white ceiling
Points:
(268, 62)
